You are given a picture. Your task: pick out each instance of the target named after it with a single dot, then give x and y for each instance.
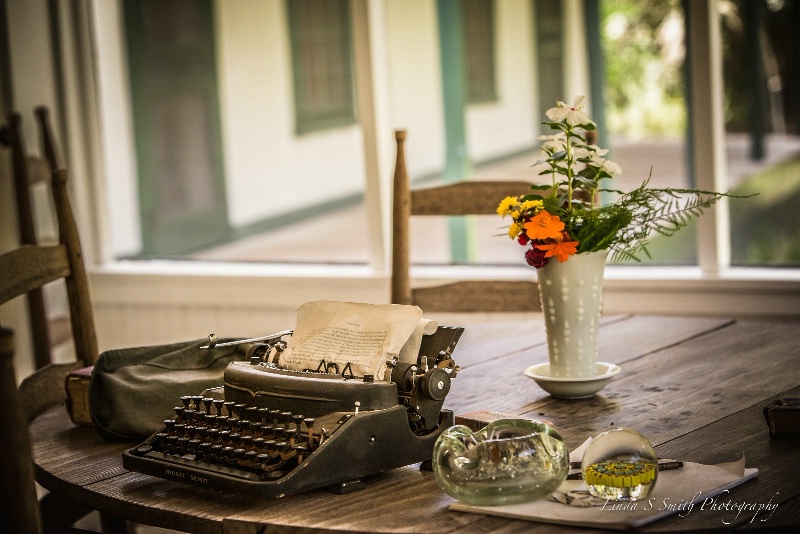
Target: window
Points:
(322, 63)
(761, 59)
(478, 17)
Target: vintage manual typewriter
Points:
(271, 431)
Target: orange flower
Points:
(544, 226)
(560, 249)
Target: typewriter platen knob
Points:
(436, 384)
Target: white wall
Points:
(415, 78)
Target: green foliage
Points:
(656, 211)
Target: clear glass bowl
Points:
(620, 465)
(510, 461)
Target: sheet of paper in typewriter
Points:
(363, 335)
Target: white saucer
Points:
(572, 388)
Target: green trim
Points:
(457, 164)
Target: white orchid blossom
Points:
(573, 115)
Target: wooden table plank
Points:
(777, 460)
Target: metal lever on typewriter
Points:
(212, 340)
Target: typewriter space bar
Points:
(169, 461)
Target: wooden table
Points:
(694, 386)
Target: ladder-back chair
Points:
(478, 197)
(48, 329)
(27, 268)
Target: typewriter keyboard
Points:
(236, 440)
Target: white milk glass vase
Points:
(572, 299)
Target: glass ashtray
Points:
(510, 461)
(620, 465)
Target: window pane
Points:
(323, 72)
(645, 111)
(762, 89)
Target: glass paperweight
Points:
(620, 465)
(509, 461)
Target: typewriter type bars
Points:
(278, 432)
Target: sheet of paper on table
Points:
(364, 335)
(680, 491)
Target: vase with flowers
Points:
(568, 233)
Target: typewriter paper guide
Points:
(363, 335)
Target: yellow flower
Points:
(514, 230)
(543, 225)
(528, 204)
(506, 205)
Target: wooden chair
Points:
(463, 198)
(16, 462)
(19, 491)
(48, 330)
(26, 268)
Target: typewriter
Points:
(271, 432)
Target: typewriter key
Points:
(249, 459)
(302, 452)
(202, 450)
(298, 421)
(263, 413)
(290, 434)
